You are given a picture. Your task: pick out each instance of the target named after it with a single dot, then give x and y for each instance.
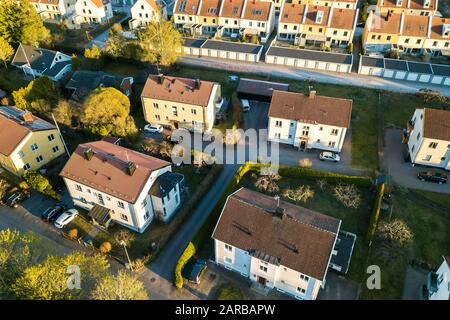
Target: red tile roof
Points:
(257, 10)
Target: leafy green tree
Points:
(122, 286)
(36, 180)
(116, 43)
(20, 23)
(161, 43)
(16, 254)
(6, 51)
(363, 13)
(42, 88)
(94, 57)
(106, 111)
(50, 280)
(63, 113)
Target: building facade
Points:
(270, 242)
(181, 103)
(145, 11)
(428, 138)
(91, 11)
(437, 286)
(107, 175)
(26, 141)
(413, 7)
(342, 4)
(309, 121)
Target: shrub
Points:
(268, 183)
(230, 291)
(305, 163)
(348, 195)
(395, 231)
(105, 247)
(4, 187)
(24, 185)
(301, 194)
(184, 258)
(73, 233)
(375, 214)
(36, 180)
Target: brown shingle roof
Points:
(414, 4)
(415, 26)
(178, 90)
(436, 124)
(437, 28)
(381, 25)
(107, 171)
(210, 8)
(320, 109)
(232, 8)
(312, 14)
(190, 7)
(259, 87)
(343, 18)
(292, 13)
(254, 7)
(300, 239)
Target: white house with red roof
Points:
(145, 11)
(91, 11)
(53, 10)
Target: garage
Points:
(396, 69)
(251, 89)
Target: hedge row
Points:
(184, 258)
(375, 214)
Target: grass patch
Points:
(123, 68)
(229, 291)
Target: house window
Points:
(412, 149)
(301, 290)
(228, 260)
(228, 248)
(174, 111)
(331, 144)
(278, 123)
(304, 278)
(155, 105)
(78, 187)
(345, 33)
(55, 149)
(100, 199)
(26, 166)
(277, 135)
(157, 117)
(388, 38)
(418, 136)
(176, 198)
(334, 132)
(34, 146)
(121, 204)
(263, 266)
(146, 215)
(51, 137)
(335, 32)
(373, 37)
(82, 199)
(124, 217)
(144, 203)
(320, 128)
(88, 191)
(21, 154)
(427, 157)
(432, 145)
(407, 41)
(164, 212)
(193, 111)
(39, 159)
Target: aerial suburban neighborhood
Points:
(225, 150)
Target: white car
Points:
(245, 105)
(66, 218)
(329, 156)
(153, 128)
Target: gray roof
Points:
(344, 247)
(16, 114)
(372, 62)
(39, 60)
(441, 70)
(166, 183)
(419, 67)
(193, 43)
(232, 46)
(394, 64)
(311, 55)
(100, 214)
(259, 87)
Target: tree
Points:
(165, 149)
(348, 195)
(363, 13)
(161, 43)
(94, 57)
(322, 184)
(268, 183)
(122, 286)
(4, 187)
(395, 231)
(106, 111)
(42, 91)
(116, 43)
(50, 280)
(301, 194)
(20, 23)
(6, 51)
(150, 146)
(63, 113)
(36, 180)
(16, 254)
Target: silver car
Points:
(66, 218)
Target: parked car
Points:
(153, 128)
(245, 105)
(53, 213)
(194, 270)
(432, 176)
(329, 156)
(14, 199)
(66, 218)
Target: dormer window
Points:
(399, 3)
(445, 30)
(211, 10)
(426, 3)
(256, 12)
(319, 17)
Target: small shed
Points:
(260, 90)
(100, 215)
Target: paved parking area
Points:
(404, 173)
(414, 279)
(338, 287)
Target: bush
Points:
(36, 180)
(184, 258)
(375, 214)
(230, 291)
(4, 187)
(73, 234)
(105, 247)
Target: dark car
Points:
(432, 176)
(52, 213)
(194, 270)
(15, 198)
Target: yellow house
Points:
(413, 7)
(181, 103)
(342, 4)
(26, 141)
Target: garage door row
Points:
(405, 70)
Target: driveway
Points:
(338, 287)
(403, 173)
(100, 40)
(414, 279)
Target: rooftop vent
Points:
(88, 153)
(197, 84)
(160, 78)
(131, 168)
(312, 93)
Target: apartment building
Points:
(131, 188)
(274, 243)
(311, 25)
(218, 18)
(181, 103)
(341, 4)
(413, 7)
(91, 11)
(53, 10)
(309, 121)
(26, 141)
(428, 138)
(145, 11)
(437, 286)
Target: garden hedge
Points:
(375, 214)
(184, 258)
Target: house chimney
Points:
(131, 168)
(27, 116)
(88, 153)
(312, 93)
(197, 84)
(160, 78)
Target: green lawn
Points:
(229, 291)
(122, 68)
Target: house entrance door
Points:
(303, 145)
(262, 280)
